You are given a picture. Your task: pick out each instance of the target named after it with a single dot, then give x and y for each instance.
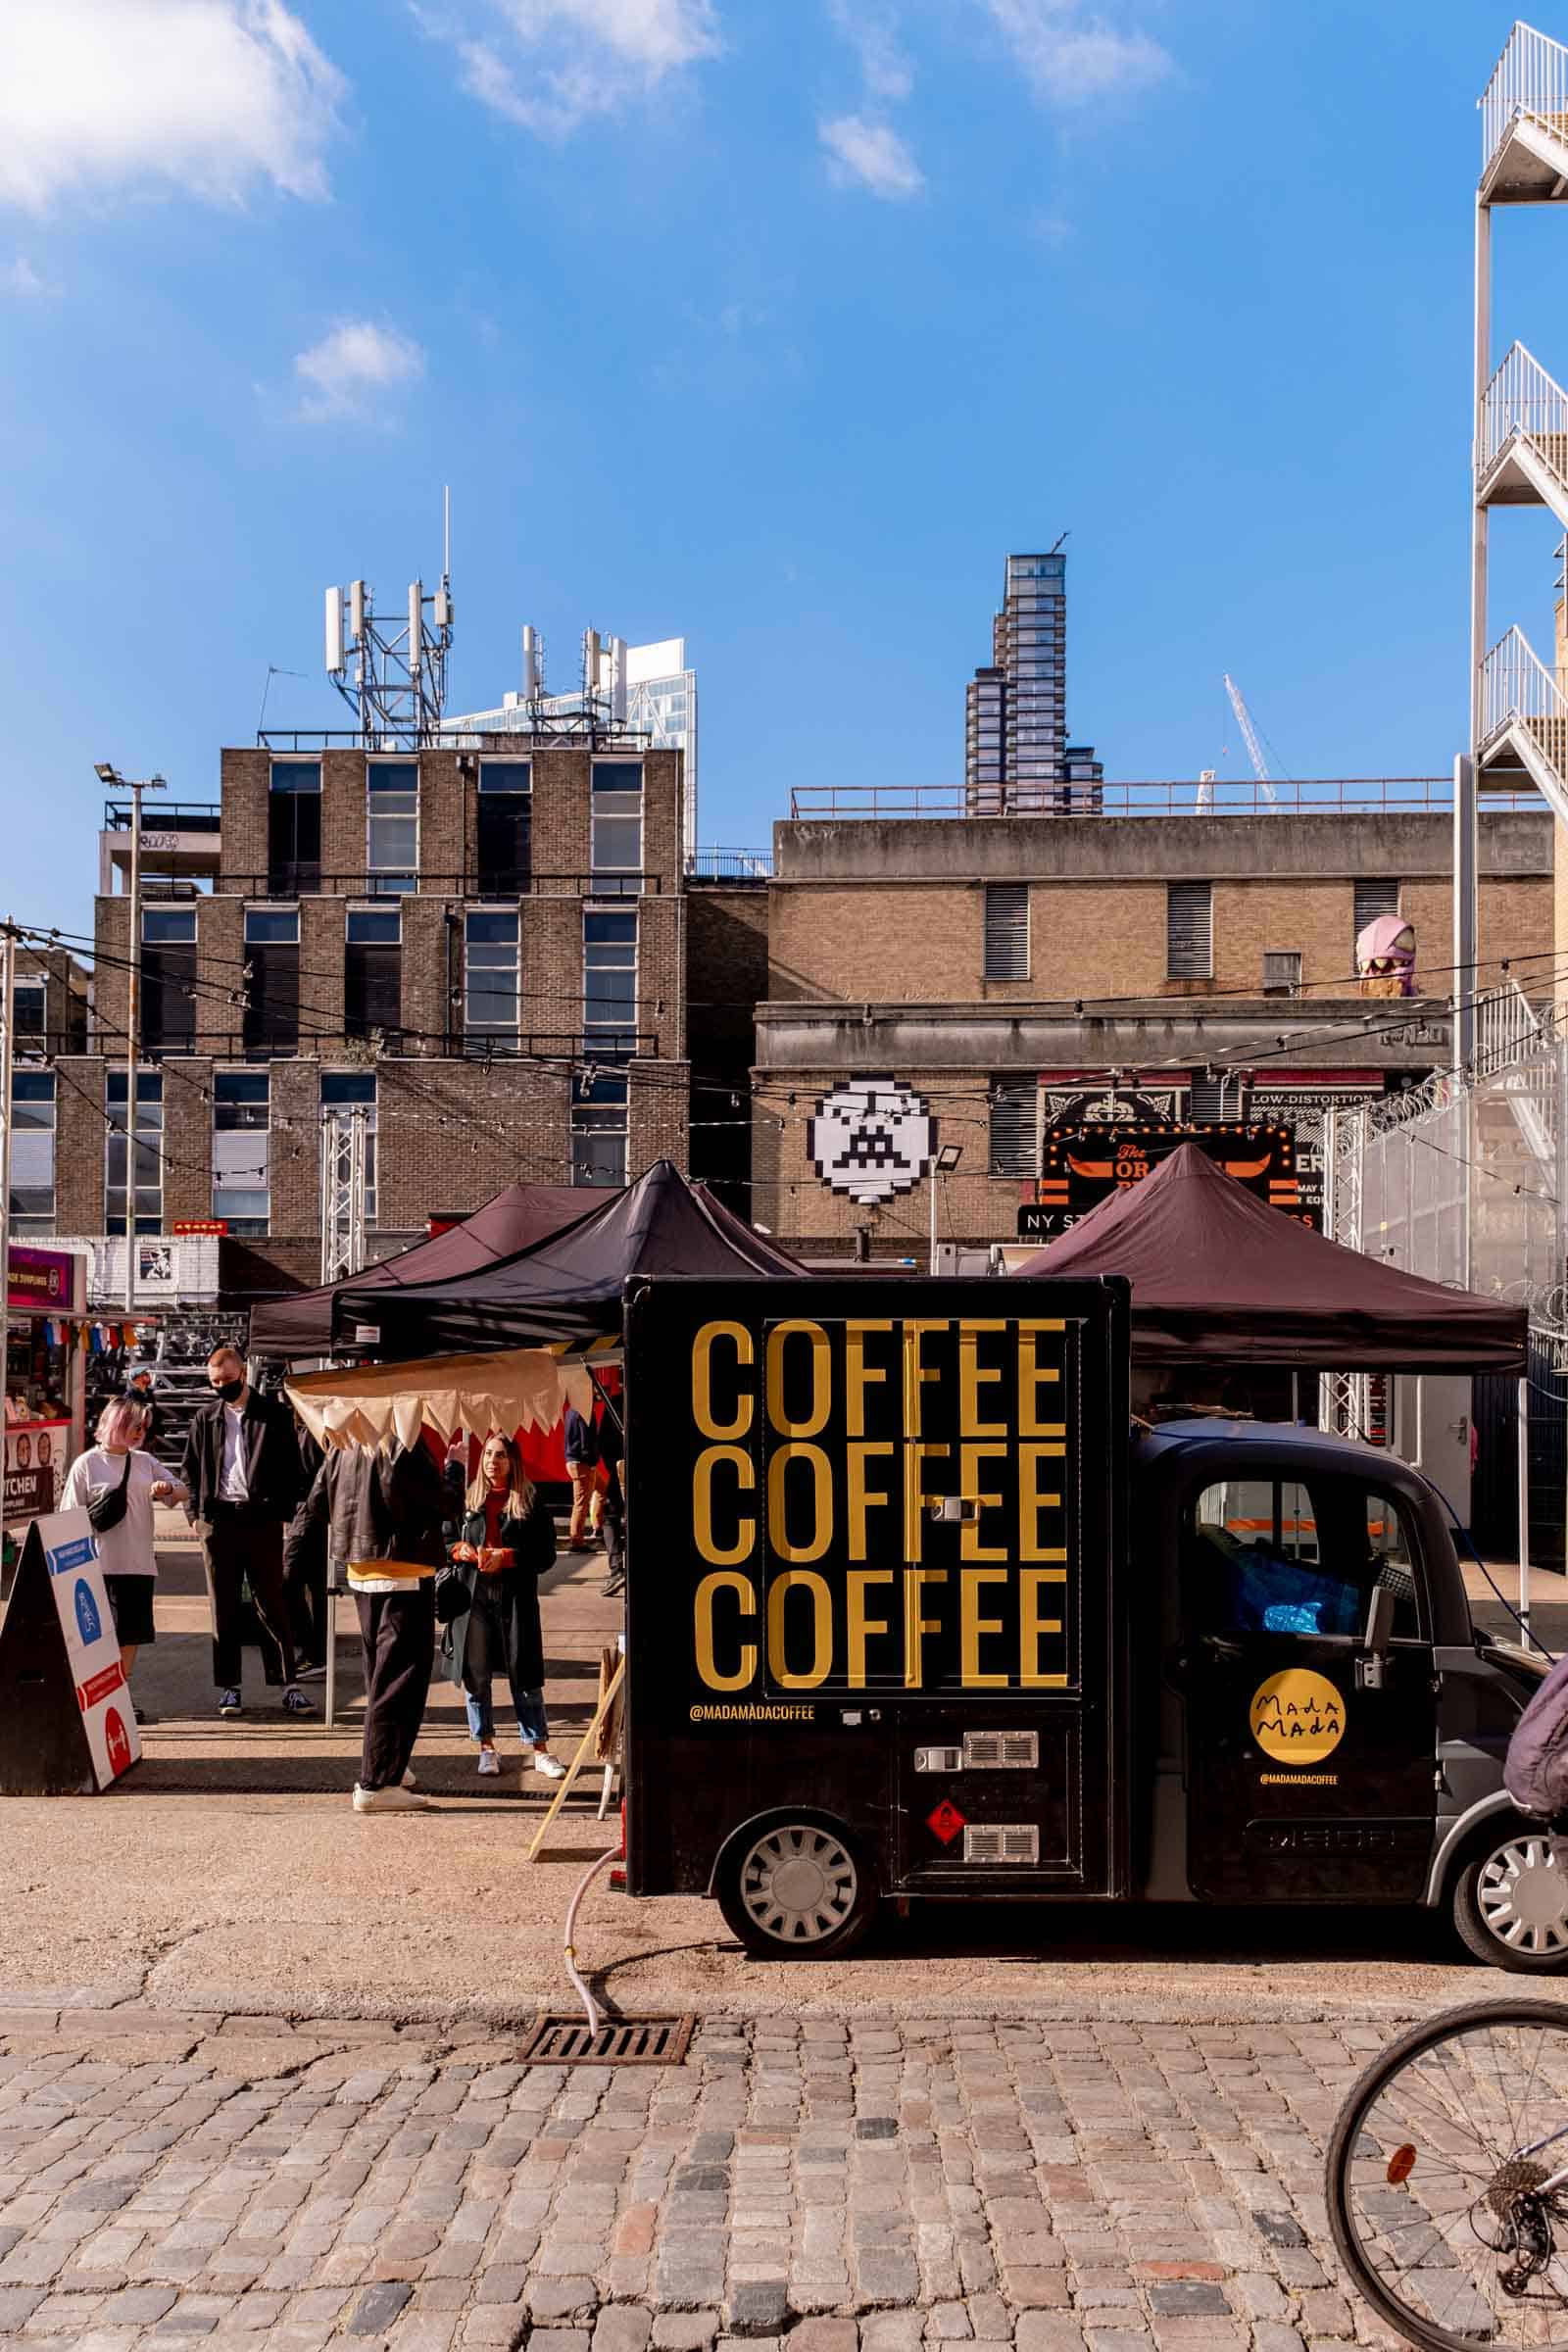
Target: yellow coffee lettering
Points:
(915, 1625)
(970, 1458)
(916, 1497)
(1033, 1377)
(915, 1374)
(821, 1379)
(778, 1591)
(703, 1375)
(860, 1626)
(1033, 1500)
(1032, 1627)
(973, 1375)
(708, 1543)
(822, 1503)
(857, 1452)
(971, 1625)
(859, 1374)
(725, 1581)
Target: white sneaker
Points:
(544, 1763)
(489, 1763)
(388, 1800)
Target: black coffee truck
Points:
(915, 1614)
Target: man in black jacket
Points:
(242, 1467)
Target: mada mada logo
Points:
(1297, 1717)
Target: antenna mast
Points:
(393, 675)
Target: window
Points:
(505, 826)
(1279, 1556)
(272, 979)
(610, 982)
(372, 976)
(1215, 1098)
(294, 827)
(490, 1009)
(1014, 1106)
(617, 794)
(241, 1179)
(32, 1152)
(29, 1009)
(1373, 896)
(1189, 930)
(148, 1141)
(1007, 930)
(598, 1118)
(392, 824)
(351, 1089)
(169, 979)
(1282, 972)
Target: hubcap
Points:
(798, 1884)
(1523, 1894)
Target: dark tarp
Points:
(568, 1287)
(517, 1217)
(1216, 1273)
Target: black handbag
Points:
(106, 1505)
(451, 1595)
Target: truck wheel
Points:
(796, 1891)
(1510, 1902)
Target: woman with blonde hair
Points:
(126, 1550)
(507, 1543)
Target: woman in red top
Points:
(507, 1543)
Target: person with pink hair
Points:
(126, 1550)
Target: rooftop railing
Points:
(1311, 795)
(164, 816)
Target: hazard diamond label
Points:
(946, 1822)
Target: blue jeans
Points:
(481, 1658)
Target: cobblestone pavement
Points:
(861, 2188)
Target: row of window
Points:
(1189, 932)
(241, 1145)
(505, 834)
(493, 995)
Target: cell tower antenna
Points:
(446, 535)
(393, 674)
(1255, 749)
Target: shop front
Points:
(45, 1379)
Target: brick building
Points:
(1021, 974)
(484, 948)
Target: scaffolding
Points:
(345, 1159)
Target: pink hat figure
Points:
(1385, 958)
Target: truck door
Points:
(1309, 1770)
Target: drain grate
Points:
(619, 2041)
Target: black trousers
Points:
(236, 1552)
(398, 1632)
(305, 1589)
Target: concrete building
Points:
(1016, 756)
(1020, 976)
(484, 948)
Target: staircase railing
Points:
(1515, 688)
(1508, 1029)
(1531, 77)
(1522, 397)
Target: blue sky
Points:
(775, 326)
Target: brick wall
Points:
(220, 962)
(426, 933)
(321, 966)
(110, 931)
(244, 785)
(445, 797)
(657, 1115)
(187, 1142)
(726, 975)
(451, 1133)
(64, 995)
(344, 846)
(295, 1163)
(81, 1131)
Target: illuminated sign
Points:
(1084, 1166)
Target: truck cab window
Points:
(1291, 1556)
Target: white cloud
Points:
(349, 367)
(548, 64)
(871, 155)
(872, 33)
(1071, 56)
(207, 96)
(20, 279)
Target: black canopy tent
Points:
(512, 1219)
(1218, 1274)
(568, 1287)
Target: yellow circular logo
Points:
(1297, 1717)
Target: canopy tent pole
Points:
(1524, 1500)
(329, 1698)
(608, 1401)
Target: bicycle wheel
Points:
(1448, 2180)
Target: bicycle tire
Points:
(1364, 2093)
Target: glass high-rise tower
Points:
(1017, 761)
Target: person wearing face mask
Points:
(507, 1543)
(243, 1474)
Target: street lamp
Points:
(107, 773)
(947, 1159)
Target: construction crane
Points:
(1255, 749)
